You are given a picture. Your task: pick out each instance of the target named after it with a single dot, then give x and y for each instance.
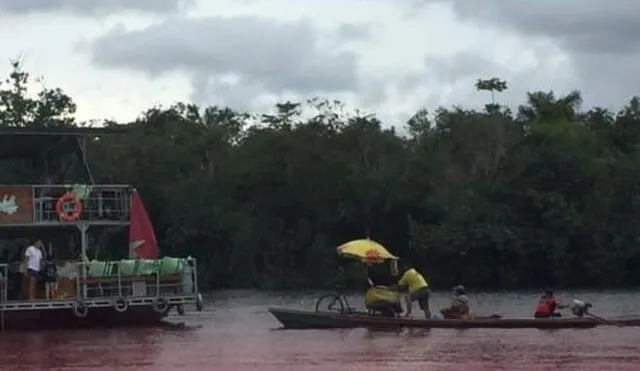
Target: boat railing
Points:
(164, 277)
(39, 204)
(128, 279)
(4, 282)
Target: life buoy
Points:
(80, 309)
(68, 215)
(160, 305)
(120, 305)
(199, 303)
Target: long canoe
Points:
(302, 319)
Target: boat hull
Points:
(63, 318)
(300, 319)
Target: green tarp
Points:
(136, 267)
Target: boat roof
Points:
(17, 142)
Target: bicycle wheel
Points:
(330, 303)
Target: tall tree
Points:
(262, 200)
(491, 85)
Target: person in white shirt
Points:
(33, 257)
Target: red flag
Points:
(142, 239)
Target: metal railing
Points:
(146, 278)
(107, 203)
(29, 204)
(4, 283)
(128, 278)
(4, 271)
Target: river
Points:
(236, 333)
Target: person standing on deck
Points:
(418, 288)
(33, 260)
(50, 278)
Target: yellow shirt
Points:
(414, 280)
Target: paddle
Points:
(603, 320)
(581, 308)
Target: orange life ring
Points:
(65, 215)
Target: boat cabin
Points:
(48, 198)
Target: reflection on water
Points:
(236, 333)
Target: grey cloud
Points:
(592, 26)
(599, 37)
(267, 55)
(456, 75)
(464, 65)
(609, 80)
(211, 90)
(350, 32)
(90, 7)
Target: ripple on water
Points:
(236, 333)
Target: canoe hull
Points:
(299, 319)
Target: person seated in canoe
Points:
(417, 287)
(579, 308)
(459, 307)
(547, 305)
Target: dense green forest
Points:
(545, 195)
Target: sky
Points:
(118, 58)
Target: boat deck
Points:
(101, 284)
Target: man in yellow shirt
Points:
(418, 288)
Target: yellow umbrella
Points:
(365, 249)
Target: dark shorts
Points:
(33, 273)
(422, 297)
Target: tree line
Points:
(546, 195)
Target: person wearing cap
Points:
(418, 288)
(459, 307)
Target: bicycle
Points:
(337, 302)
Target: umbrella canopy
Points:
(366, 250)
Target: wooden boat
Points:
(140, 290)
(340, 314)
(304, 319)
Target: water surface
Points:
(235, 332)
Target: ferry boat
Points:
(71, 221)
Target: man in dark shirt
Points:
(50, 279)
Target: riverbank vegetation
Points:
(543, 195)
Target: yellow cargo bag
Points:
(380, 294)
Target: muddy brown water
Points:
(235, 332)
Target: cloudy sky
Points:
(119, 57)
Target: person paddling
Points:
(547, 305)
(418, 288)
(580, 308)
